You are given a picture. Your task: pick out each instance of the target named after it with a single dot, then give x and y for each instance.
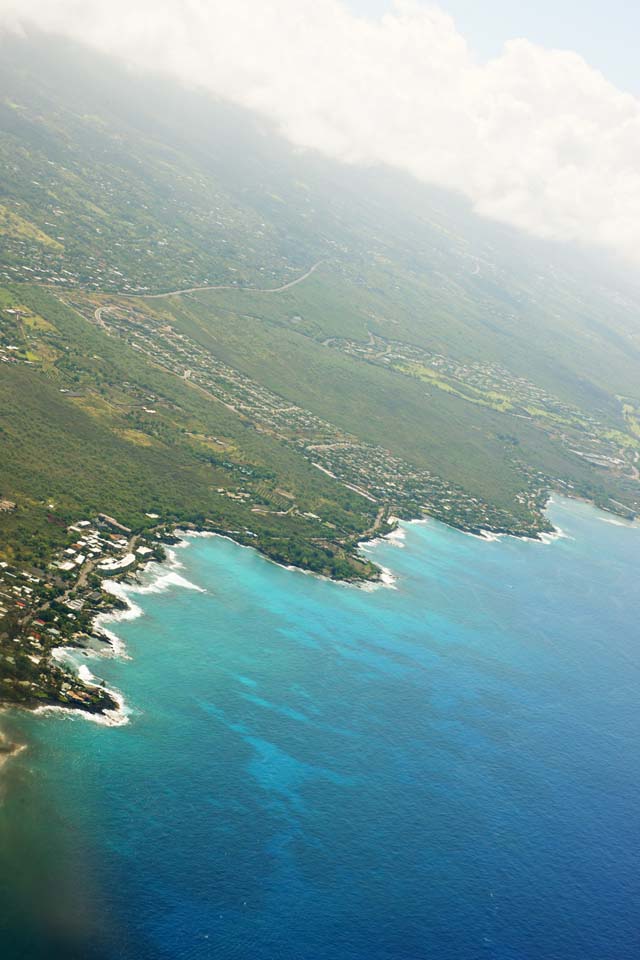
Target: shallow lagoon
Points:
(448, 769)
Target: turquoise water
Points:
(449, 769)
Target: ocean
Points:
(446, 768)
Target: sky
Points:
(606, 34)
(499, 106)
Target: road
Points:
(224, 286)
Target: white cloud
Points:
(535, 137)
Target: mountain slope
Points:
(468, 351)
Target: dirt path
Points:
(376, 524)
(97, 313)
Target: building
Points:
(113, 523)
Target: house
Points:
(113, 523)
(114, 564)
(76, 604)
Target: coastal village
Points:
(50, 608)
(44, 611)
(492, 385)
(370, 470)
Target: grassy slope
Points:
(426, 426)
(77, 453)
(148, 185)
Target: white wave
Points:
(187, 534)
(119, 590)
(387, 578)
(394, 538)
(161, 576)
(163, 581)
(619, 523)
(110, 718)
(486, 535)
(548, 537)
(116, 644)
(556, 534)
(397, 537)
(85, 674)
(158, 579)
(171, 560)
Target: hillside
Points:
(199, 325)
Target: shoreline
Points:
(178, 537)
(386, 578)
(165, 576)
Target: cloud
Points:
(535, 138)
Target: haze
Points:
(536, 138)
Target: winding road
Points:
(225, 286)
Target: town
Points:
(370, 470)
(45, 611)
(491, 384)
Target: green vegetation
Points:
(462, 428)
(93, 447)
(427, 363)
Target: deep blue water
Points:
(449, 769)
